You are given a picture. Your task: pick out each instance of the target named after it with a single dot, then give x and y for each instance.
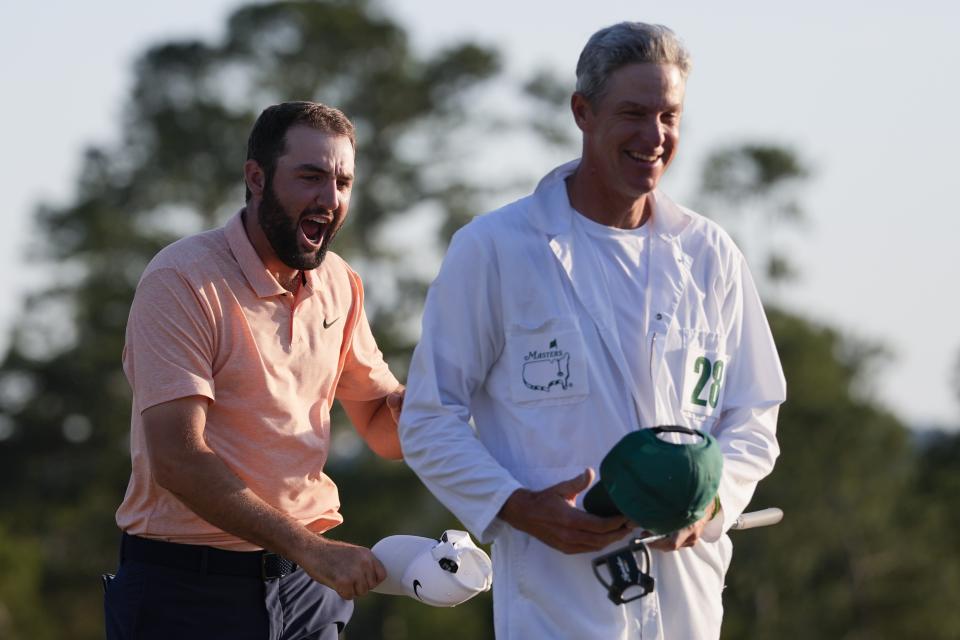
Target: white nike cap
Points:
(441, 573)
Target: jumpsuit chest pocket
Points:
(547, 362)
(703, 374)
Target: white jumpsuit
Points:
(519, 380)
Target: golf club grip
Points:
(762, 518)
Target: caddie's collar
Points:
(550, 209)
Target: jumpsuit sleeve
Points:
(462, 338)
(746, 429)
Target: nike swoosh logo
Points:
(327, 325)
(416, 588)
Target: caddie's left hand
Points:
(395, 402)
(688, 536)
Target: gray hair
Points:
(622, 44)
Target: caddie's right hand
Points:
(550, 516)
(348, 569)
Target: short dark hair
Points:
(268, 139)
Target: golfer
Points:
(238, 342)
(558, 324)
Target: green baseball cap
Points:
(661, 486)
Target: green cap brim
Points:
(599, 503)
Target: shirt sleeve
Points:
(462, 337)
(365, 375)
(169, 348)
(746, 430)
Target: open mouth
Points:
(312, 231)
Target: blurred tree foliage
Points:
(177, 169)
(753, 188)
(868, 546)
(867, 549)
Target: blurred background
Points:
(822, 136)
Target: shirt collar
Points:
(551, 211)
(261, 280)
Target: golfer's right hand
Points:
(550, 516)
(346, 568)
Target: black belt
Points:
(250, 564)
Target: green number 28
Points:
(707, 370)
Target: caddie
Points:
(593, 308)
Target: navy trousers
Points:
(148, 601)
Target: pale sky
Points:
(864, 91)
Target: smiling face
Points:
(631, 134)
(302, 205)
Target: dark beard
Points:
(282, 230)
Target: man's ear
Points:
(582, 111)
(254, 176)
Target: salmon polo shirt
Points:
(208, 319)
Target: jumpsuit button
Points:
(659, 316)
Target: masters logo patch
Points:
(544, 370)
(547, 364)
